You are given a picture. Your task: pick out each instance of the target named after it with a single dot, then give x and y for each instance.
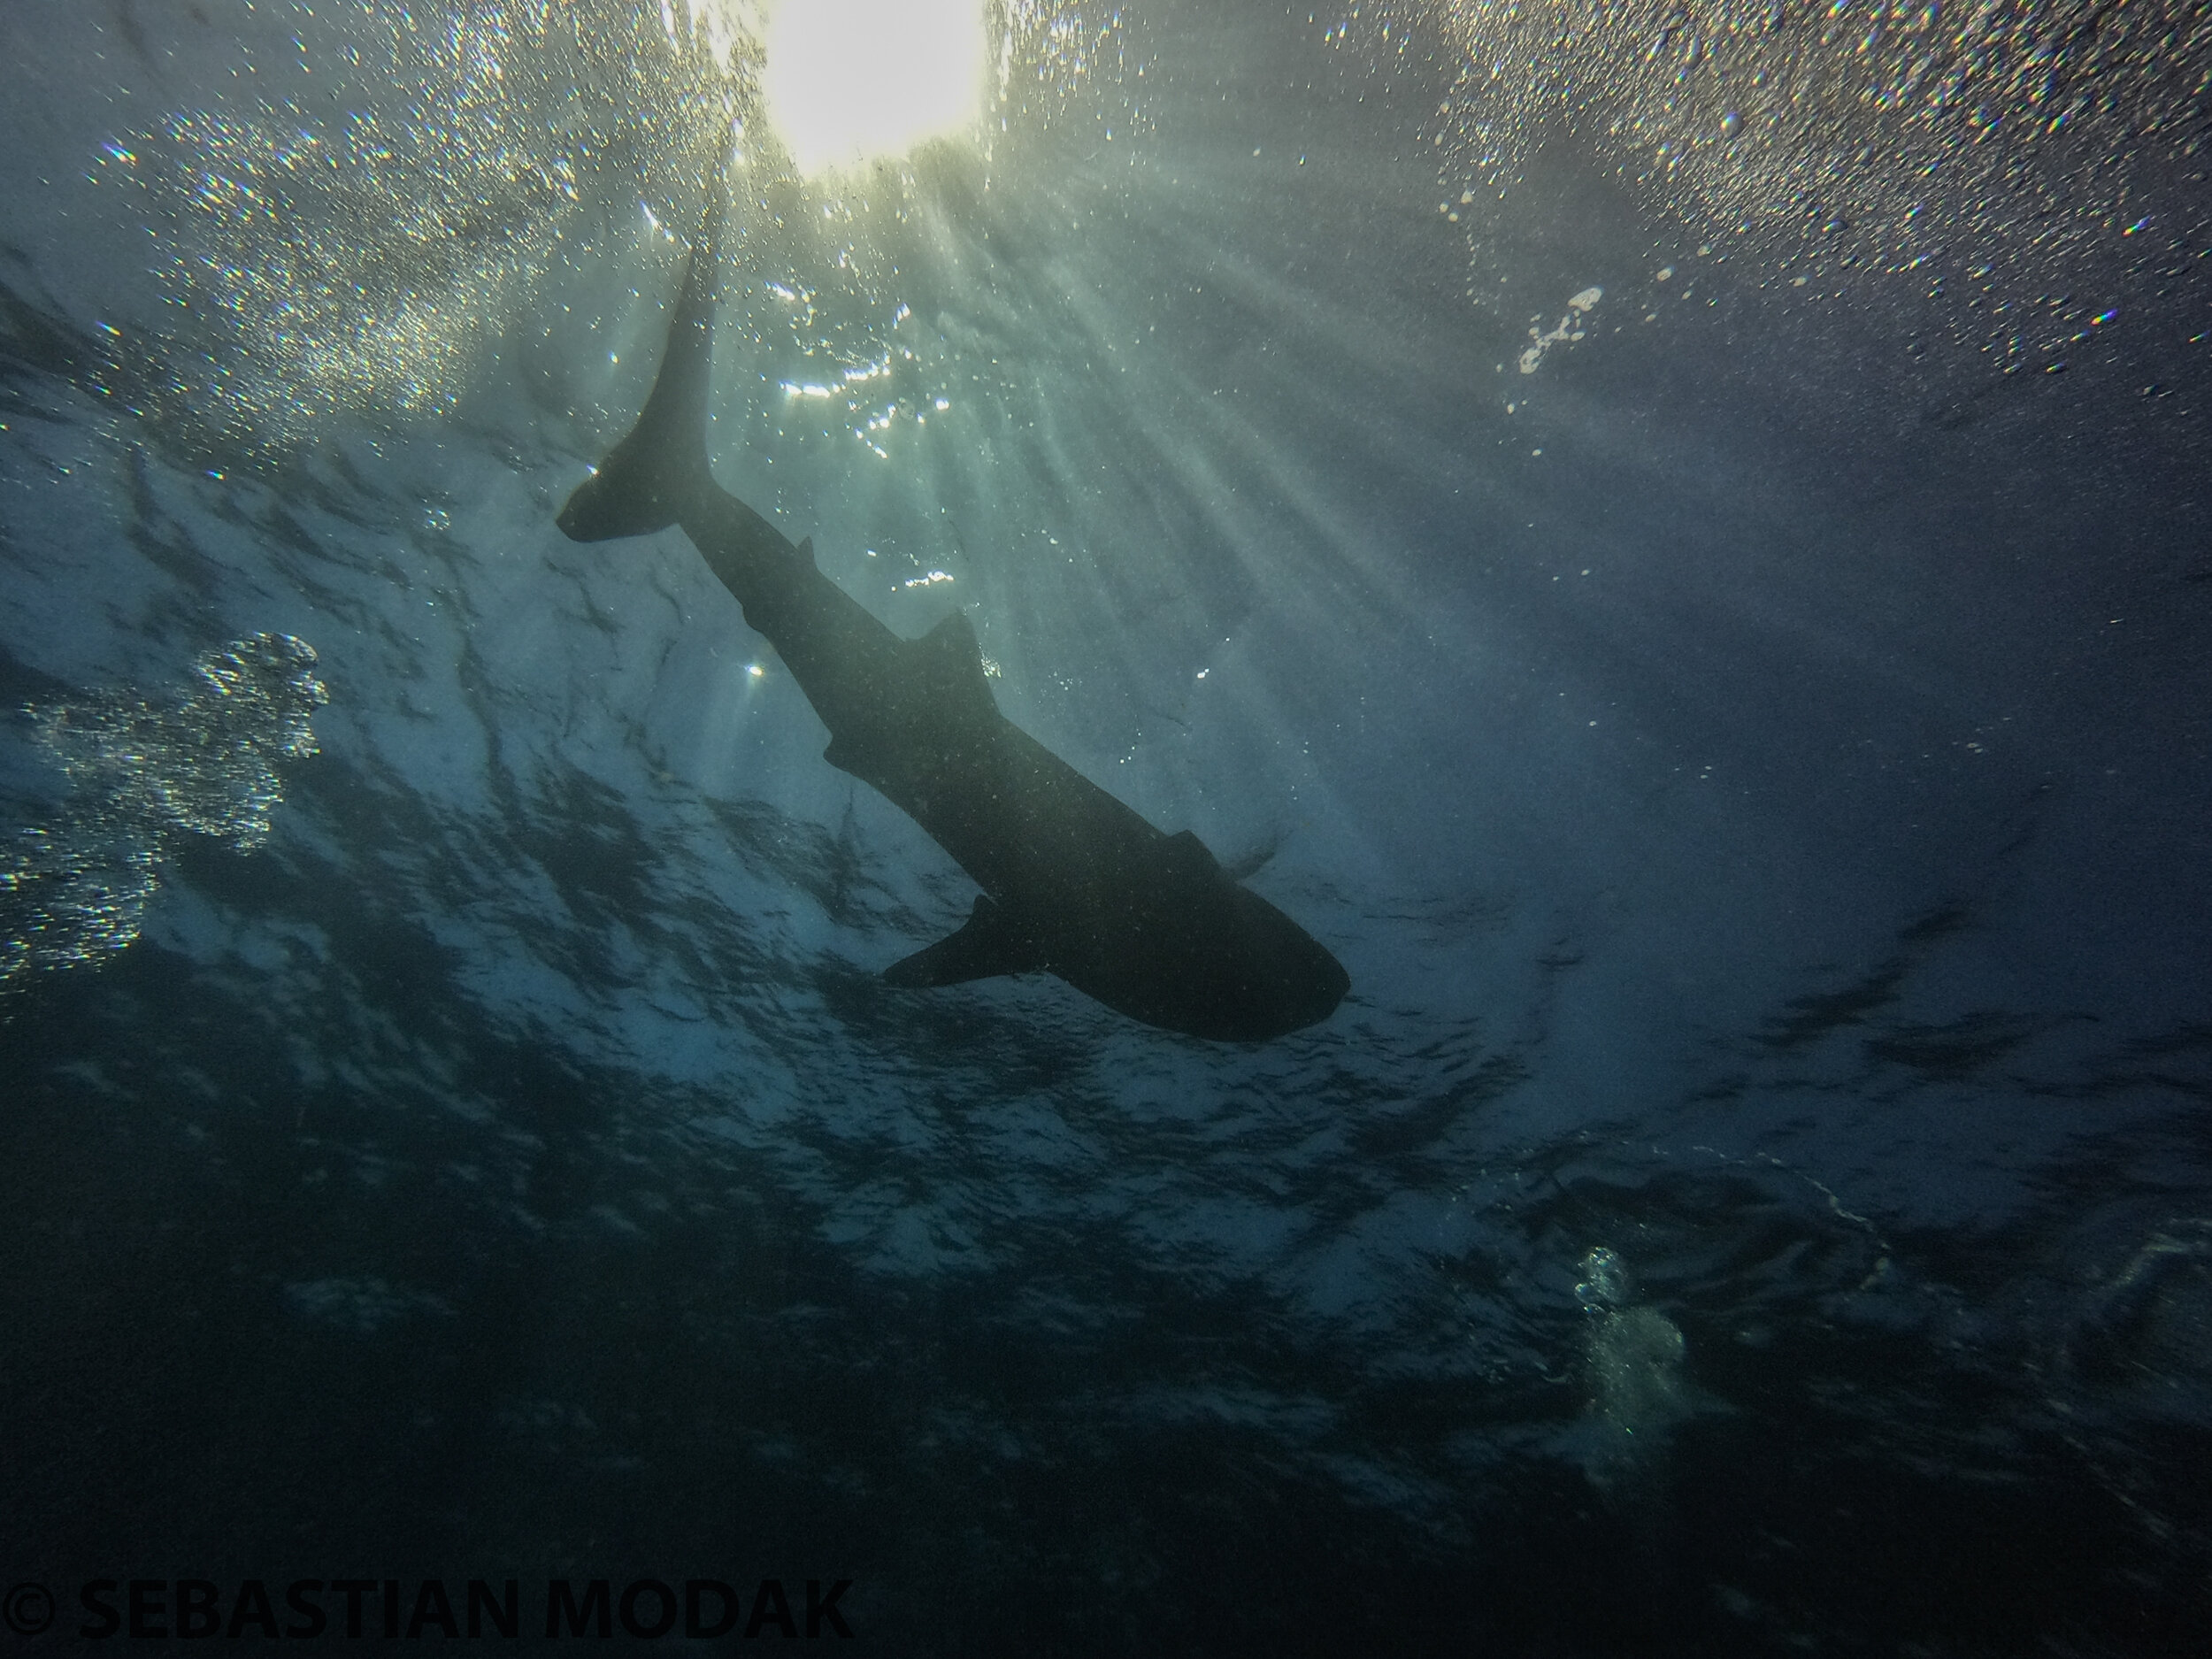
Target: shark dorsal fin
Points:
(1189, 857)
(806, 549)
(953, 662)
(947, 680)
(990, 943)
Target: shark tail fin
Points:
(647, 479)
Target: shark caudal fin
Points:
(645, 481)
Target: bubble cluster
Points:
(360, 248)
(75, 890)
(2017, 156)
(1633, 1366)
(1049, 50)
(359, 252)
(1605, 1283)
(1569, 328)
(69, 896)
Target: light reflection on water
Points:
(2018, 165)
(362, 250)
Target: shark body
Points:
(1074, 883)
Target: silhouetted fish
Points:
(1074, 882)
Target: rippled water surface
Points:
(1671, 539)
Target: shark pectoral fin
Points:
(857, 755)
(988, 943)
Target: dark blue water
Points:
(1755, 1197)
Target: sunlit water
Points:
(1672, 544)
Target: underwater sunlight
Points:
(847, 82)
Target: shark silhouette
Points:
(1074, 882)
